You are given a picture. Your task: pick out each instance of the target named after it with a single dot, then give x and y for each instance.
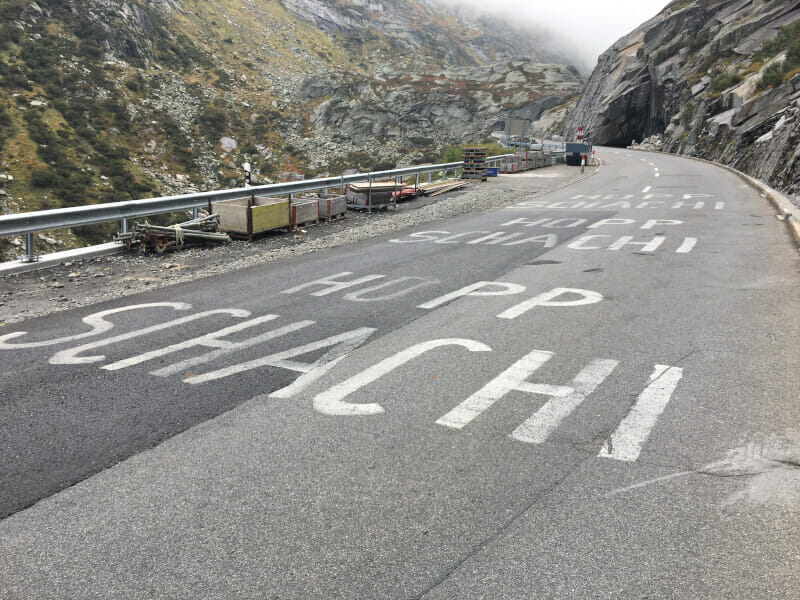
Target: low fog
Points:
(578, 30)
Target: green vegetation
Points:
(787, 40)
(772, 75)
(725, 81)
(6, 125)
(454, 153)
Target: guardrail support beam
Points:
(30, 255)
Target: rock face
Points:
(692, 77)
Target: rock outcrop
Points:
(713, 78)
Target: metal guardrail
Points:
(62, 218)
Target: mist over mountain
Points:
(576, 32)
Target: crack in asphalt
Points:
(648, 384)
(502, 529)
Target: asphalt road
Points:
(593, 393)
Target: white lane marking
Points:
(647, 189)
(209, 340)
(96, 321)
(70, 356)
(538, 428)
(652, 164)
(687, 245)
(719, 206)
(333, 284)
(331, 401)
(657, 173)
(280, 359)
(474, 290)
(630, 435)
(549, 299)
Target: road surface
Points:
(592, 393)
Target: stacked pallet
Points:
(474, 164)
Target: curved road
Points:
(591, 393)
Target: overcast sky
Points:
(590, 25)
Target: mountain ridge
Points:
(116, 99)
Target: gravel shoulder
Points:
(93, 280)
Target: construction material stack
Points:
(304, 210)
(145, 237)
(474, 164)
(332, 206)
(247, 217)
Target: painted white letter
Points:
(549, 299)
(331, 402)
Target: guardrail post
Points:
(123, 225)
(30, 256)
(195, 213)
(430, 176)
(369, 195)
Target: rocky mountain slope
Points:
(113, 99)
(718, 79)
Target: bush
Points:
(213, 123)
(725, 81)
(6, 125)
(788, 39)
(451, 154)
(772, 75)
(44, 178)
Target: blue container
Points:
(491, 172)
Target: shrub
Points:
(213, 123)
(788, 39)
(44, 178)
(772, 75)
(724, 81)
